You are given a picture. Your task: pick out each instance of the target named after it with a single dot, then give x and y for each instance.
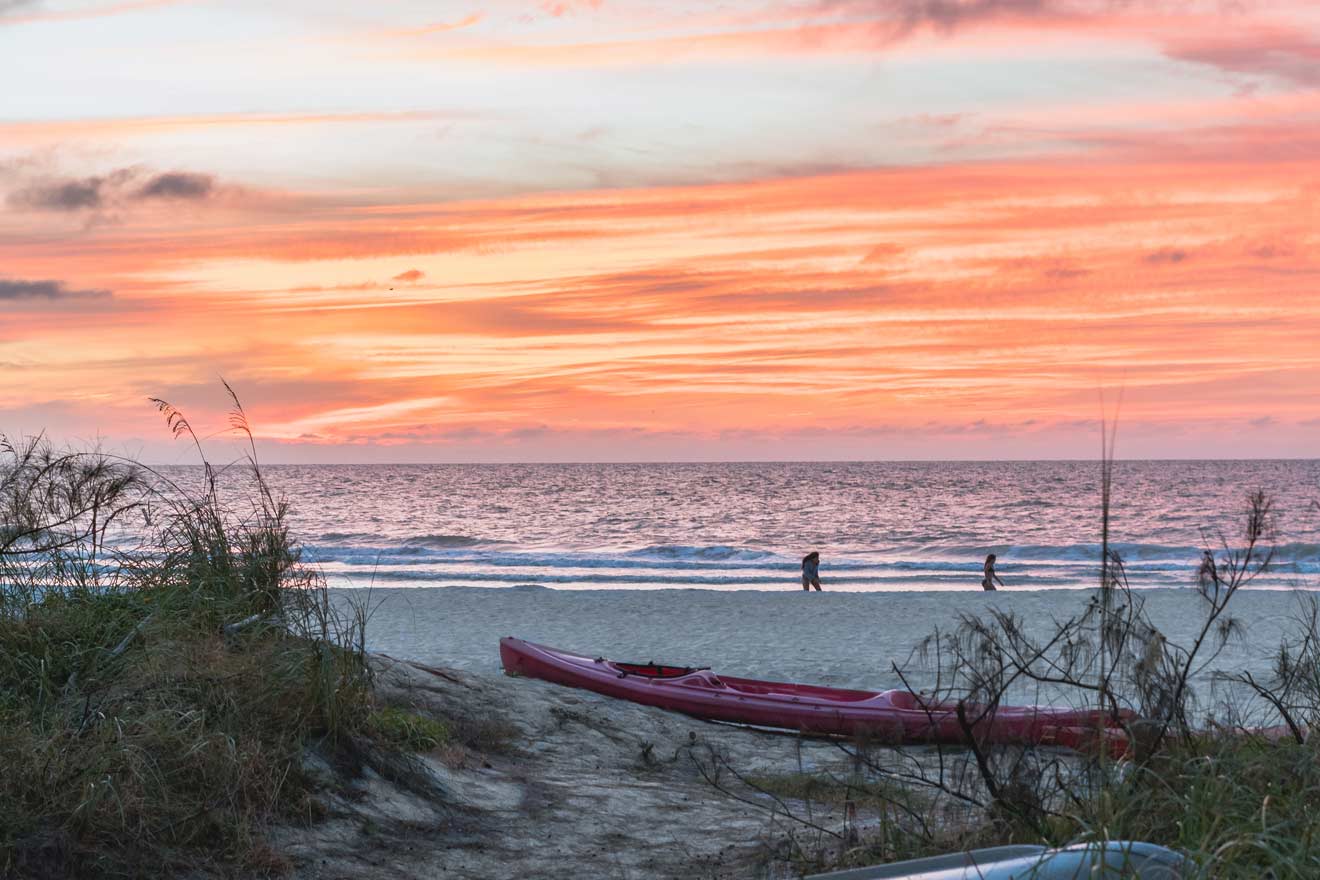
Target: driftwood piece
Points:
(128, 639)
(233, 628)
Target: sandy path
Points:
(843, 639)
(594, 788)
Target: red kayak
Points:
(896, 717)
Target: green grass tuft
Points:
(408, 730)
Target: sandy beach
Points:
(841, 639)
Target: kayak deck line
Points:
(892, 716)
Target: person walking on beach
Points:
(1207, 577)
(811, 571)
(990, 577)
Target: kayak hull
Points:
(888, 717)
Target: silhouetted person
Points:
(1208, 575)
(990, 577)
(811, 571)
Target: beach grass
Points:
(1236, 807)
(1239, 806)
(157, 698)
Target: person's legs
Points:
(815, 582)
(806, 582)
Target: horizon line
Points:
(747, 461)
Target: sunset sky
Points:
(637, 230)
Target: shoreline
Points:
(790, 588)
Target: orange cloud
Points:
(1002, 292)
(427, 30)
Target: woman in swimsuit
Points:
(988, 583)
(811, 571)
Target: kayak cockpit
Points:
(655, 670)
(813, 693)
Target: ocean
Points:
(745, 526)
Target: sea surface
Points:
(877, 525)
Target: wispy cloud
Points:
(61, 130)
(427, 30)
(1287, 54)
(9, 7)
(31, 12)
(88, 193)
(947, 15)
(1210, 32)
(115, 189)
(12, 290)
(177, 185)
(1166, 257)
(561, 8)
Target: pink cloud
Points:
(1288, 54)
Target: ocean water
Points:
(877, 525)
